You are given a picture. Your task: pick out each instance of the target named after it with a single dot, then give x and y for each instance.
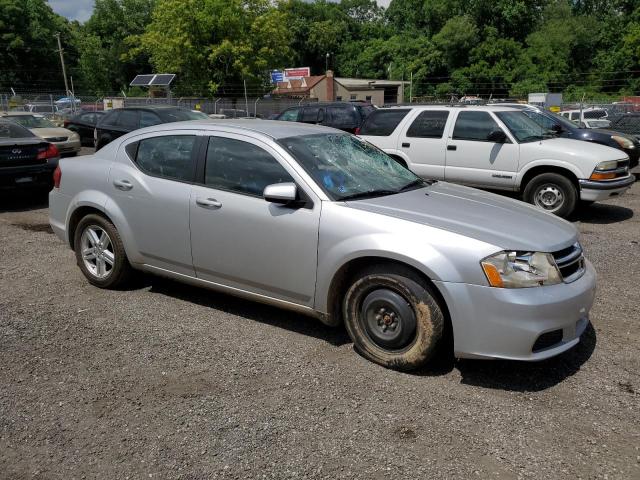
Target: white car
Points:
(501, 148)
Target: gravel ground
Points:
(169, 381)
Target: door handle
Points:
(406, 144)
(123, 184)
(452, 147)
(208, 202)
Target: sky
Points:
(73, 9)
(81, 9)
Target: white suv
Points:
(499, 148)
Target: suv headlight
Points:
(622, 141)
(521, 269)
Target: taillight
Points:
(357, 132)
(57, 176)
(50, 152)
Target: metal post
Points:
(73, 95)
(246, 99)
(215, 105)
(411, 88)
(255, 107)
(64, 72)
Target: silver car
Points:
(317, 220)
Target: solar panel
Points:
(162, 79)
(142, 80)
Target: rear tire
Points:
(393, 317)
(100, 253)
(553, 193)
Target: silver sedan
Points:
(316, 220)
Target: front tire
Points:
(553, 193)
(100, 253)
(393, 317)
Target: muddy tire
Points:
(100, 253)
(393, 317)
(553, 193)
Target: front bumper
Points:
(601, 190)
(505, 323)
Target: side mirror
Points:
(497, 136)
(282, 193)
(556, 127)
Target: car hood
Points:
(576, 149)
(608, 133)
(500, 221)
(51, 132)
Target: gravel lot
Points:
(169, 381)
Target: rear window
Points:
(382, 123)
(11, 130)
(429, 124)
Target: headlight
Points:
(608, 165)
(75, 136)
(622, 141)
(521, 269)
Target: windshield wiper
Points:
(531, 138)
(368, 194)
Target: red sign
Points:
(297, 72)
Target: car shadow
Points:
(528, 376)
(23, 200)
(602, 214)
(276, 317)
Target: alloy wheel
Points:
(97, 251)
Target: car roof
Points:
(272, 128)
(152, 107)
(6, 114)
(482, 108)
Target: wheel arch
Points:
(348, 271)
(558, 169)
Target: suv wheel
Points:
(100, 253)
(552, 192)
(393, 317)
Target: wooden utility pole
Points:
(64, 71)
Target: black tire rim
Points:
(388, 319)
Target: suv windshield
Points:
(31, 121)
(347, 167)
(522, 127)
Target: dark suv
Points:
(124, 120)
(345, 116)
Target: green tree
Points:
(103, 62)
(214, 43)
(29, 59)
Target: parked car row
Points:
(67, 142)
(320, 221)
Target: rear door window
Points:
(168, 156)
(475, 126)
(429, 124)
(344, 117)
(383, 122)
(128, 119)
(148, 119)
(310, 114)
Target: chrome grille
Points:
(56, 139)
(570, 262)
